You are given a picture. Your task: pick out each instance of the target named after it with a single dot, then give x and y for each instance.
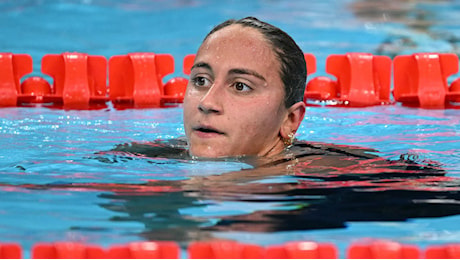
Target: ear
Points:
(293, 119)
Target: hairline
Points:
(289, 96)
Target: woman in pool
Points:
(244, 99)
(245, 93)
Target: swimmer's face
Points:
(234, 103)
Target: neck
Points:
(275, 149)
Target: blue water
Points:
(44, 146)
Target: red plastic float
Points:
(363, 79)
(188, 63)
(224, 250)
(10, 251)
(450, 251)
(79, 79)
(302, 250)
(378, 249)
(144, 250)
(217, 249)
(178, 85)
(137, 78)
(310, 60)
(12, 68)
(66, 250)
(33, 90)
(421, 80)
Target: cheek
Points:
(190, 101)
(260, 119)
(189, 107)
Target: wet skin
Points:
(234, 103)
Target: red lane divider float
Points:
(366, 249)
(224, 250)
(12, 68)
(145, 250)
(362, 80)
(421, 80)
(451, 251)
(67, 250)
(382, 250)
(137, 80)
(79, 79)
(134, 250)
(10, 251)
(302, 250)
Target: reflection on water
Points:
(422, 26)
(326, 187)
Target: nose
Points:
(210, 103)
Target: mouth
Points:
(207, 130)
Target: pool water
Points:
(47, 149)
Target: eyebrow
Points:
(246, 72)
(232, 71)
(201, 65)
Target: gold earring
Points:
(288, 141)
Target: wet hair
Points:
(292, 61)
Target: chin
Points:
(207, 152)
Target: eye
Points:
(241, 87)
(201, 81)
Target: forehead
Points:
(239, 46)
(245, 35)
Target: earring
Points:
(288, 141)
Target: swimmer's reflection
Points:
(309, 186)
(307, 202)
(325, 186)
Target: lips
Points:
(207, 130)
